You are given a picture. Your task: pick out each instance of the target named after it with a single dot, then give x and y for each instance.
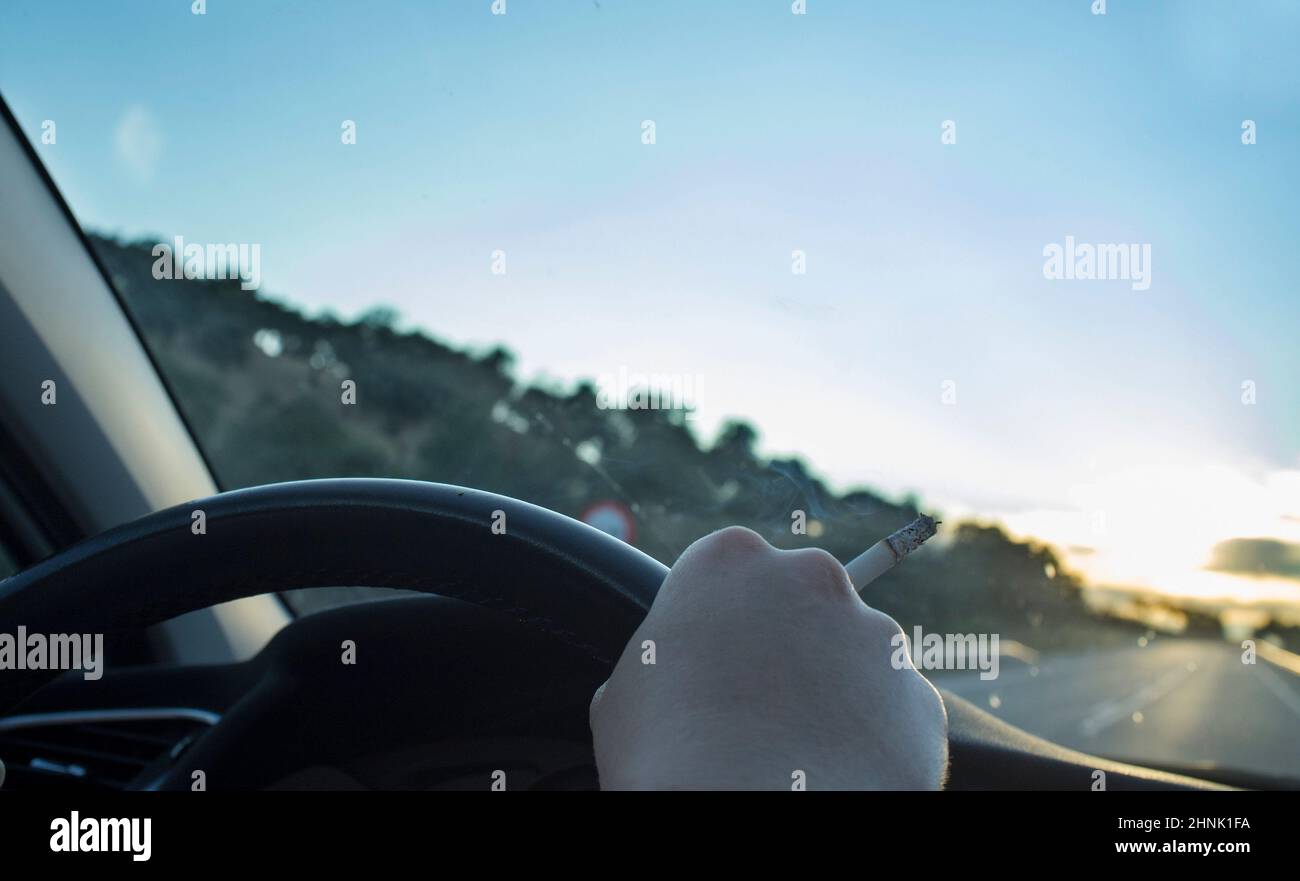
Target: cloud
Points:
(137, 140)
(1257, 556)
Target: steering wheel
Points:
(558, 580)
(556, 575)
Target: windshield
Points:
(667, 267)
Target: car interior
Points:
(484, 658)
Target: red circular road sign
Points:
(611, 517)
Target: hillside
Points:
(259, 381)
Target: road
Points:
(1173, 701)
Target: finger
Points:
(595, 698)
(718, 555)
(816, 569)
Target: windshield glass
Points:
(671, 266)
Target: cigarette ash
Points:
(913, 535)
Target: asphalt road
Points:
(1174, 701)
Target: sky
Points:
(923, 350)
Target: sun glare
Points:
(1155, 527)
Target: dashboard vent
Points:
(96, 749)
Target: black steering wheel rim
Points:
(550, 572)
(578, 584)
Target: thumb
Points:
(595, 699)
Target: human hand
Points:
(767, 664)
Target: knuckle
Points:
(885, 626)
(819, 568)
(733, 540)
(932, 710)
(595, 704)
(598, 712)
(927, 701)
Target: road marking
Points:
(1107, 713)
(1279, 689)
(1289, 661)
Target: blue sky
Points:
(775, 132)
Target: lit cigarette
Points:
(887, 553)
